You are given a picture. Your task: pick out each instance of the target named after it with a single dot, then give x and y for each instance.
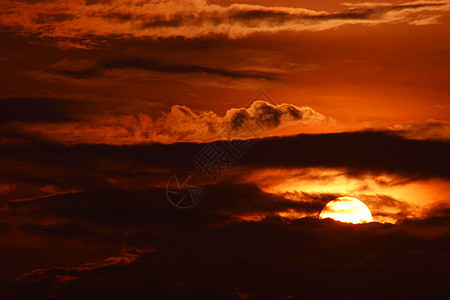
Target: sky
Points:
(111, 109)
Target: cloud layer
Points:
(429, 129)
(97, 69)
(77, 23)
(272, 257)
(80, 219)
(180, 124)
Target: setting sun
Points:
(347, 209)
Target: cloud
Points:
(61, 274)
(390, 197)
(73, 69)
(430, 129)
(372, 166)
(35, 110)
(139, 71)
(182, 124)
(270, 258)
(375, 153)
(388, 209)
(81, 25)
(5, 188)
(367, 150)
(260, 244)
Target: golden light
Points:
(347, 209)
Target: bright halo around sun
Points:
(347, 209)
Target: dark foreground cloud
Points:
(365, 151)
(162, 252)
(34, 110)
(359, 151)
(108, 230)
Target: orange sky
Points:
(371, 70)
(130, 72)
(104, 103)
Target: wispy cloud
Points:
(77, 24)
(429, 129)
(60, 274)
(96, 69)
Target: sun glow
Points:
(347, 209)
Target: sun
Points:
(347, 209)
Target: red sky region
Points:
(102, 102)
(366, 75)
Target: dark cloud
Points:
(209, 250)
(10, 134)
(64, 274)
(269, 116)
(368, 151)
(389, 207)
(31, 110)
(161, 67)
(267, 259)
